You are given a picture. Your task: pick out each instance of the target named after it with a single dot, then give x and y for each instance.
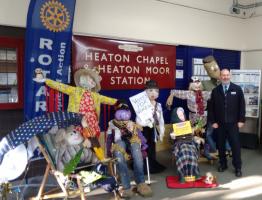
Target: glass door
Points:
(11, 77)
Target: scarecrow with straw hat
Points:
(84, 99)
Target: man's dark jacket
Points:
(229, 108)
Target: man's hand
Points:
(215, 125)
(240, 124)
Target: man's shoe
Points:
(238, 173)
(221, 168)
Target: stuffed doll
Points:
(153, 130)
(117, 130)
(197, 104)
(84, 99)
(67, 143)
(125, 140)
(196, 100)
(185, 149)
(210, 178)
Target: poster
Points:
(249, 81)
(142, 106)
(198, 69)
(125, 64)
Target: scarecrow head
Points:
(68, 137)
(122, 114)
(211, 67)
(178, 115)
(196, 84)
(152, 90)
(88, 78)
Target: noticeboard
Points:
(249, 81)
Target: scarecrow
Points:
(185, 149)
(84, 98)
(197, 104)
(154, 129)
(124, 141)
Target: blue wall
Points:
(224, 58)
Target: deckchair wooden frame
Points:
(50, 169)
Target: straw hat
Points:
(93, 73)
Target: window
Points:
(11, 76)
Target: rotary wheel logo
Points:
(54, 16)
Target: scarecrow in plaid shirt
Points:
(196, 100)
(185, 149)
(197, 104)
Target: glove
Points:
(161, 137)
(173, 136)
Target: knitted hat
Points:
(122, 112)
(151, 84)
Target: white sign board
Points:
(249, 81)
(142, 106)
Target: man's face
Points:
(152, 93)
(225, 76)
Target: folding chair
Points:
(51, 169)
(62, 191)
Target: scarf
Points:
(199, 102)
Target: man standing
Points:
(227, 115)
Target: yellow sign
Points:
(182, 128)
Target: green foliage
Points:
(71, 165)
(199, 123)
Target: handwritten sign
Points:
(182, 128)
(142, 106)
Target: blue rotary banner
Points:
(48, 46)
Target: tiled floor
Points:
(230, 188)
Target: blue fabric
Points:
(48, 46)
(137, 164)
(41, 125)
(107, 182)
(211, 142)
